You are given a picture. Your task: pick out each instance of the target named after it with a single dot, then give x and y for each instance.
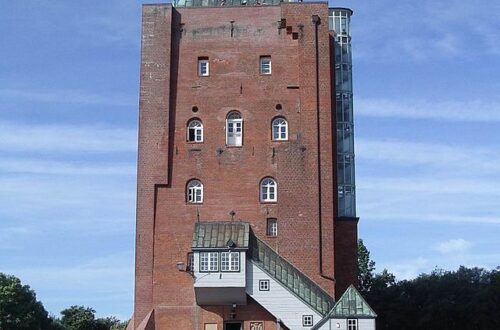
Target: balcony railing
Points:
(292, 278)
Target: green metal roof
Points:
(352, 304)
(220, 235)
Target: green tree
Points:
(19, 308)
(366, 267)
(468, 298)
(367, 278)
(83, 318)
(78, 318)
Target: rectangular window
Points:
(190, 262)
(307, 320)
(265, 64)
(209, 261)
(352, 324)
(263, 285)
(230, 261)
(272, 227)
(203, 67)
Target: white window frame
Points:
(196, 126)
(230, 261)
(268, 190)
(272, 227)
(234, 138)
(209, 262)
(307, 320)
(279, 129)
(194, 192)
(352, 324)
(265, 65)
(264, 285)
(203, 67)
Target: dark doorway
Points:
(232, 326)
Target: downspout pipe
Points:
(317, 21)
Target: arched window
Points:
(195, 131)
(194, 192)
(268, 190)
(234, 129)
(280, 129)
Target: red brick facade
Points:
(233, 39)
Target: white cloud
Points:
(407, 269)
(39, 166)
(431, 30)
(107, 278)
(69, 96)
(453, 246)
(425, 182)
(58, 138)
(470, 111)
(429, 185)
(375, 212)
(449, 158)
(12, 237)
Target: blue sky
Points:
(427, 116)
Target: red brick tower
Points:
(236, 213)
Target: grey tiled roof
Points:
(215, 235)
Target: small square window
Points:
(272, 227)
(352, 324)
(265, 64)
(203, 67)
(263, 285)
(307, 320)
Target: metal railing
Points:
(292, 278)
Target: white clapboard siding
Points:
(341, 324)
(366, 324)
(278, 301)
(219, 279)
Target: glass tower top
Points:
(340, 22)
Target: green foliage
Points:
(367, 279)
(83, 318)
(19, 308)
(365, 268)
(468, 298)
(78, 318)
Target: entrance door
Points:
(233, 326)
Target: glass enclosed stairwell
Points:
(293, 279)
